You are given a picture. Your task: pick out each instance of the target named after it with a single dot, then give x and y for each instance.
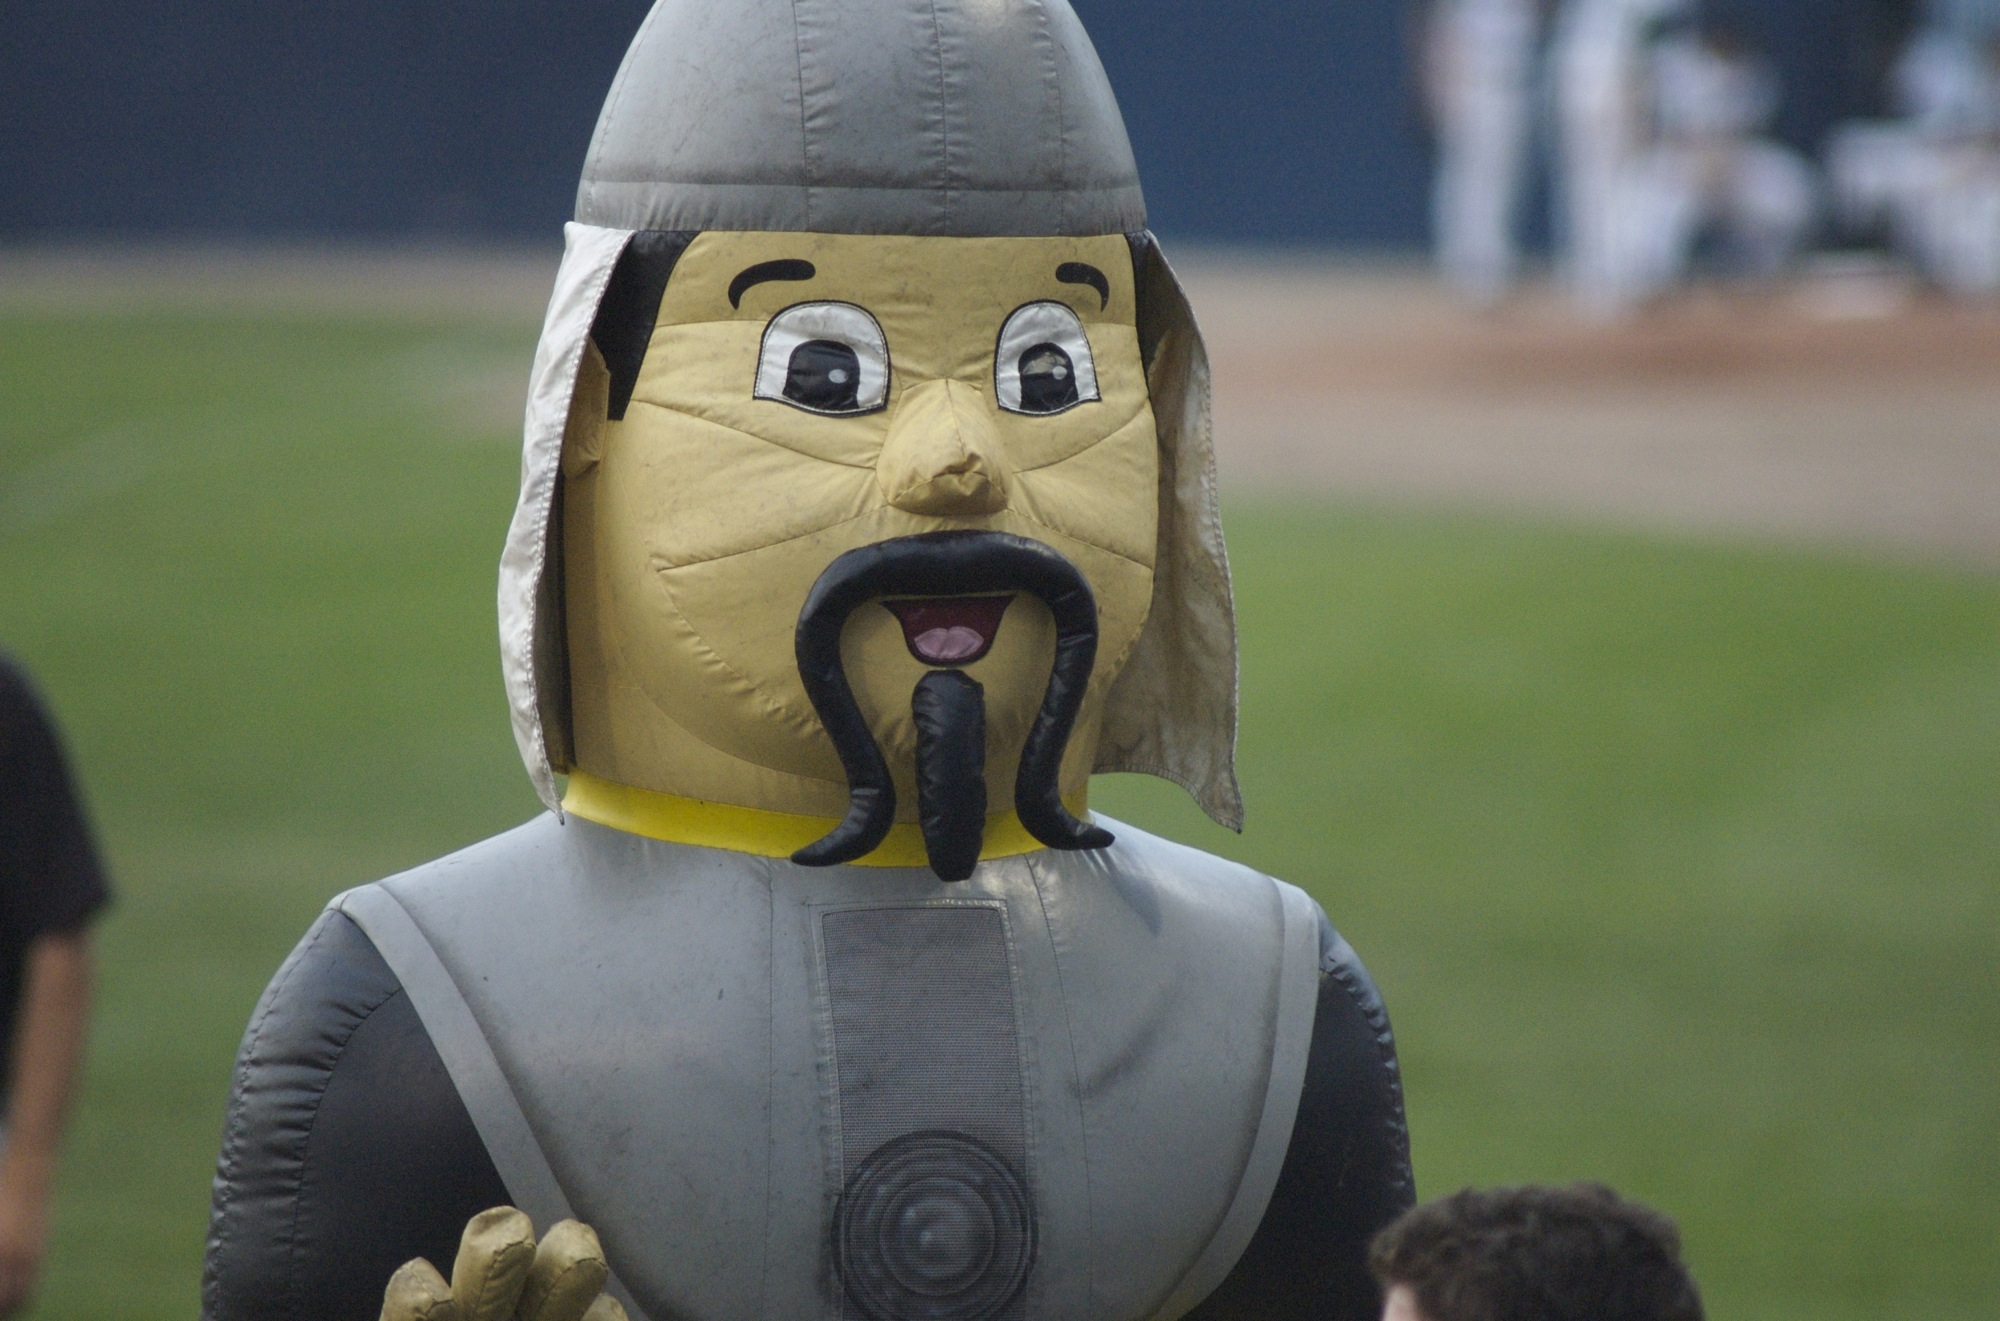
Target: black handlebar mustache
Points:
(947, 564)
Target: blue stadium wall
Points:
(1289, 121)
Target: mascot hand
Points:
(502, 1274)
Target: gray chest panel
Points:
(1061, 1089)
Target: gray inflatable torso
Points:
(757, 1080)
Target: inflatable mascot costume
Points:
(867, 508)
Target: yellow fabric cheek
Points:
(711, 646)
(684, 489)
(708, 663)
(1104, 494)
(1124, 591)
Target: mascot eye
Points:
(1043, 364)
(1048, 379)
(824, 358)
(825, 376)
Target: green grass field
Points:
(1679, 863)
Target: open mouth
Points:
(950, 630)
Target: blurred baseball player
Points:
(1598, 66)
(1709, 168)
(1480, 59)
(1932, 174)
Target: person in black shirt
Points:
(51, 886)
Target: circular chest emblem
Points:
(934, 1226)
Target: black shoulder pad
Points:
(1346, 1172)
(346, 1150)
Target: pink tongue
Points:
(949, 630)
(942, 646)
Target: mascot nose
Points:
(943, 453)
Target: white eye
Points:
(1043, 364)
(824, 358)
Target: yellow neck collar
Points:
(769, 834)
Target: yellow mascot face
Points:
(804, 395)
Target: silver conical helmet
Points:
(958, 117)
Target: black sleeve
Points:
(1346, 1172)
(346, 1150)
(50, 877)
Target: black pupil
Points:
(1048, 379)
(824, 374)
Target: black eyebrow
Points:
(785, 268)
(1082, 272)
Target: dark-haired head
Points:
(1579, 1253)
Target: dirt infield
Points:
(1835, 411)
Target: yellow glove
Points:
(502, 1274)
